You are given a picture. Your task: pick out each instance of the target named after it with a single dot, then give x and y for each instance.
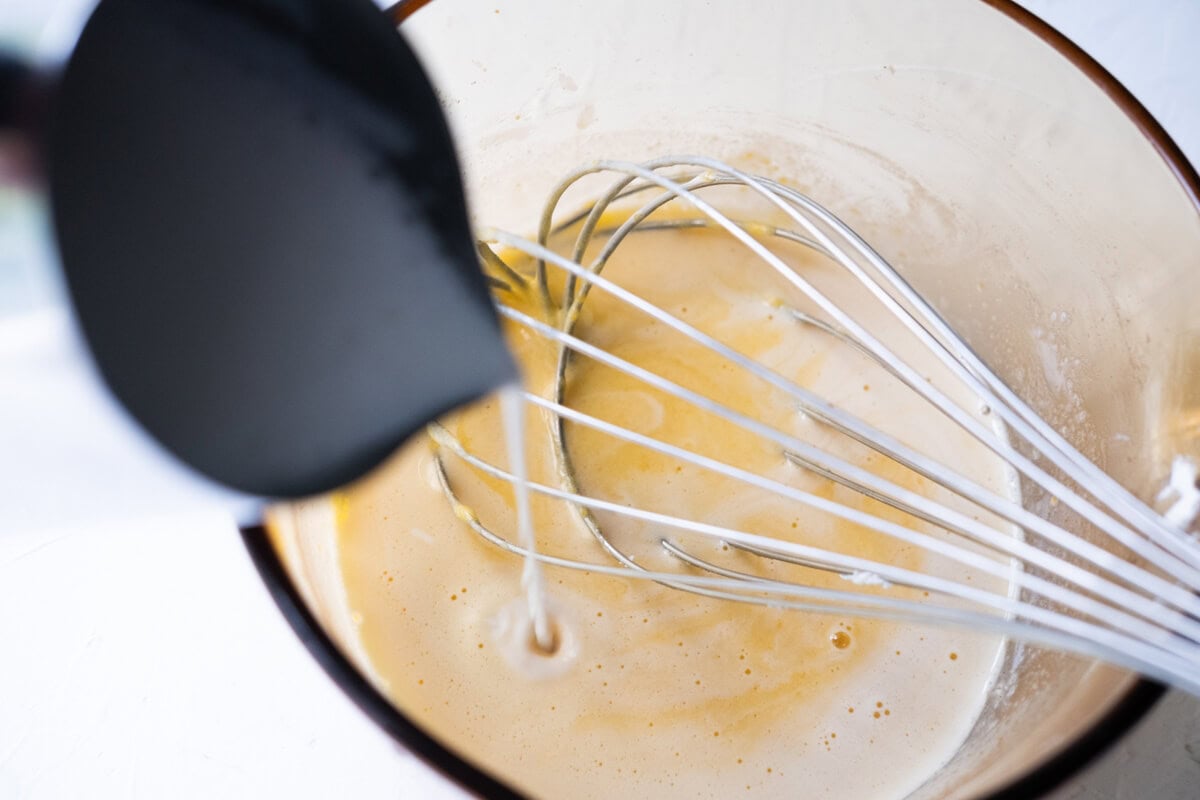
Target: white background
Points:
(140, 655)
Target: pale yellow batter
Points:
(665, 693)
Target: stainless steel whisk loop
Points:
(1139, 612)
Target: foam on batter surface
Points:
(665, 693)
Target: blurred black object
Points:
(15, 79)
(262, 225)
(24, 97)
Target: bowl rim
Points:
(1051, 773)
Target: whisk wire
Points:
(873, 486)
(871, 438)
(1144, 616)
(1032, 427)
(855, 428)
(1055, 630)
(1136, 543)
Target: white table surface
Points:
(141, 657)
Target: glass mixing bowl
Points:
(1006, 175)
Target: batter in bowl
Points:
(652, 691)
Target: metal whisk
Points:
(1125, 595)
